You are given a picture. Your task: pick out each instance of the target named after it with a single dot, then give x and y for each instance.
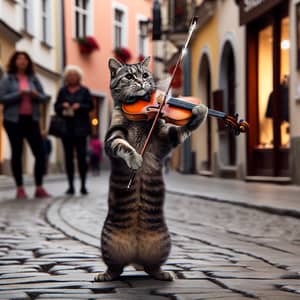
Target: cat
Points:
(135, 231)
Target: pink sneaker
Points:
(21, 194)
(40, 192)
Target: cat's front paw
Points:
(199, 114)
(134, 160)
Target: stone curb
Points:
(264, 208)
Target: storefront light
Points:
(285, 44)
(95, 122)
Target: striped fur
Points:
(135, 231)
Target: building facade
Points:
(50, 31)
(217, 79)
(34, 27)
(246, 64)
(268, 94)
(113, 25)
(9, 35)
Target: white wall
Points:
(43, 55)
(9, 12)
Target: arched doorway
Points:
(227, 143)
(204, 156)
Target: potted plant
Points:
(87, 44)
(123, 54)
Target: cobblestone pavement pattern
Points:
(49, 250)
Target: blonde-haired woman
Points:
(73, 103)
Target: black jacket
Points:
(79, 125)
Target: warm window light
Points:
(285, 44)
(95, 122)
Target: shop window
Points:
(265, 86)
(284, 77)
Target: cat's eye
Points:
(129, 76)
(145, 75)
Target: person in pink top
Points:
(21, 94)
(95, 154)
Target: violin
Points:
(178, 111)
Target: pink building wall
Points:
(95, 65)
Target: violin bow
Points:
(192, 28)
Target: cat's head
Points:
(130, 81)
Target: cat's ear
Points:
(114, 65)
(146, 61)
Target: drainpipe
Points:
(186, 155)
(63, 35)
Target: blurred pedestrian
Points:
(95, 154)
(73, 103)
(21, 94)
(47, 150)
(167, 161)
(1, 71)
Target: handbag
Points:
(57, 126)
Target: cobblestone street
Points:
(50, 250)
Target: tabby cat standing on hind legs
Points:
(135, 231)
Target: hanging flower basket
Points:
(87, 44)
(122, 54)
(141, 57)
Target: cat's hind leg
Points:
(118, 249)
(112, 273)
(157, 273)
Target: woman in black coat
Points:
(73, 103)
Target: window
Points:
(120, 24)
(142, 45)
(178, 14)
(46, 19)
(266, 86)
(142, 40)
(119, 28)
(25, 15)
(82, 26)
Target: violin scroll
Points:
(235, 125)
